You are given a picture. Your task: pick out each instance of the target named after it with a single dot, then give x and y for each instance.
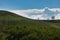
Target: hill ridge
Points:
(15, 27)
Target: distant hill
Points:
(15, 27)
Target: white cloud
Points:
(30, 13)
(57, 16)
(55, 9)
(39, 13)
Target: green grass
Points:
(15, 27)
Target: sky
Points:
(29, 4)
(33, 9)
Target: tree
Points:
(53, 17)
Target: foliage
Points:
(15, 27)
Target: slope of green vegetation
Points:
(15, 27)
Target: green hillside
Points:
(15, 27)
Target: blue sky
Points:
(29, 4)
(32, 8)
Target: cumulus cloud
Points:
(30, 13)
(41, 14)
(57, 16)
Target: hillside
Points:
(15, 27)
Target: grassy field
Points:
(15, 27)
